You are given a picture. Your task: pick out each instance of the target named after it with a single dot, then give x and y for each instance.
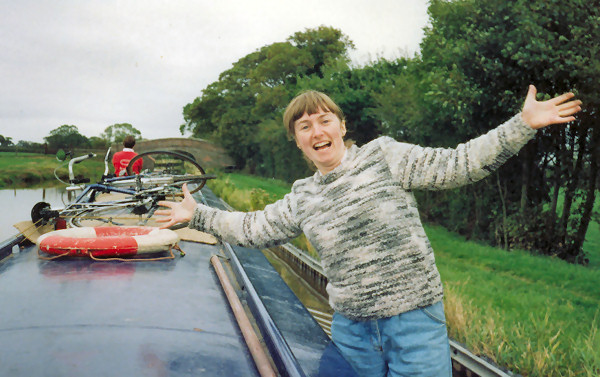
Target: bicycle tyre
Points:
(117, 215)
(190, 166)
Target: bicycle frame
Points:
(143, 192)
(111, 184)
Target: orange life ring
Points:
(107, 241)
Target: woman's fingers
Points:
(163, 212)
(164, 203)
(562, 98)
(564, 120)
(176, 212)
(569, 105)
(569, 108)
(167, 225)
(539, 114)
(186, 192)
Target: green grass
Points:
(592, 237)
(246, 182)
(591, 246)
(535, 315)
(30, 169)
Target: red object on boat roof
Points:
(107, 241)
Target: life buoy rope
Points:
(107, 241)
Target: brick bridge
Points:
(207, 154)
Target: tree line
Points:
(475, 63)
(68, 137)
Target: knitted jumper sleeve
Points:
(274, 225)
(440, 168)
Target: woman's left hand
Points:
(539, 114)
(177, 212)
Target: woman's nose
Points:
(317, 130)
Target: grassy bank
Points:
(535, 315)
(29, 169)
(538, 315)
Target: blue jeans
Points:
(414, 343)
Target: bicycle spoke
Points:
(168, 168)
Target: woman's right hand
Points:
(177, 212)
(539, 114)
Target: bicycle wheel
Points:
(173, 164)
(128, 212)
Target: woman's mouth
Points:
(322, 145)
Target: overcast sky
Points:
(95, 63)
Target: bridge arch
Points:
(207, 154)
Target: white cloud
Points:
(96, 63)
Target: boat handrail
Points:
(304, 257)
(280, 350)
(260, 358)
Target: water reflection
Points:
(81, 269)
(17, 203)
(301, 289)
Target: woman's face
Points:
(320, 137)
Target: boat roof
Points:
(77, 316)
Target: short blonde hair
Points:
(309, 102)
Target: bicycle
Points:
(128, 200)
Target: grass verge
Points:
(538, 316)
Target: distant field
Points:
(30, 169)
(535, 315)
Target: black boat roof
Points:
(161, 318)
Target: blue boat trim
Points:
(7, 245)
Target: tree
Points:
(479, 57)
(29, 145)
(325, 45)
(66, 137)
(5, 141)
(255, 91)
(117, 132)
(97, 142)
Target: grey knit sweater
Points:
(362, 218)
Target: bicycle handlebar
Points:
(106, 161)
(77, 160)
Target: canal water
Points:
(16, 204)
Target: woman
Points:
(359, 213)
